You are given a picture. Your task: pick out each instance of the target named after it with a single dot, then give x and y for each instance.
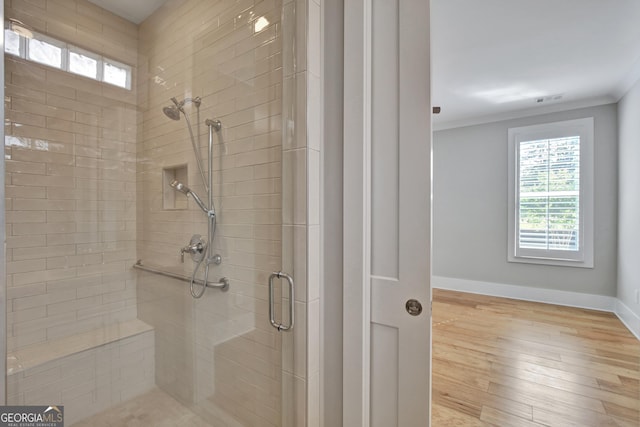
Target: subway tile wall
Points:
(95, 160)
(88, 381)
(70, 151)
(228, 362)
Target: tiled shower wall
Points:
(218, 354)
(70, 180)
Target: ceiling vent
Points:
(550, 98)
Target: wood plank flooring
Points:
(508, 363)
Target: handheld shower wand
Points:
(178, 186)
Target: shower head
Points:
(178, 186)
(172, 112)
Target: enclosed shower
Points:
(159, 216)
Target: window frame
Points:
(66, 50)
(52, 42)
(127, 68)
(79, 51)
(21, 41)
(584, 257)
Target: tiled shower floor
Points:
(152, 409)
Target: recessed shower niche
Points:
(171, 199)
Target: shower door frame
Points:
(3, 255)
(302, 146)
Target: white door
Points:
(387, 228)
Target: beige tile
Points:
(28, 131)
(41, 156)
(38, 324)
(313, 337)
(69, 374)
(22, 229)
(42, 300)
(21, 104)
(294, 192)
(294, 262)
(25, 315)
(313, 400)
(313, 190)
(22, 92)
(289, 112)
(42, 252)
(27, 216)
(313, 53)
(25, 266)
(294, 398)
(313, 262)
(24, 340)
(32, 242)
(17, 193)
(14, 166)
(314, 107)
(301, 35)
(294, 344)
(14, 292)
(73, 305)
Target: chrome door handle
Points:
(272, 315)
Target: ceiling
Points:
(495, 59)
(135, 11)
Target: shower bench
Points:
(87, 372)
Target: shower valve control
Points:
(196, 248)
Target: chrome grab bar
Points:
(222, 284)
(272, 318)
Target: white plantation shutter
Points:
(551, 193)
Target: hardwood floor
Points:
(508, 363)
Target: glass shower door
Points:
(217, 354)
(145, 159)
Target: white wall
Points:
(629, 199)
(470, 207)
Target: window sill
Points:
(550, 261)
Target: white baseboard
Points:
(550, 296)
(628, 317)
